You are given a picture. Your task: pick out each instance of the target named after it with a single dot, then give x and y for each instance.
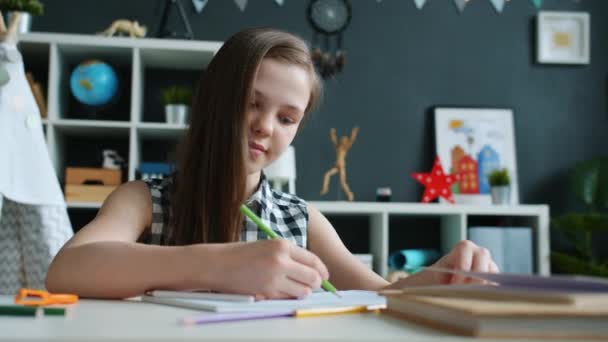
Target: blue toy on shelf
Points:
(149, 170)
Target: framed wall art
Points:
(563, 37)
(474, 142)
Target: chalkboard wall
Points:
(401, 62)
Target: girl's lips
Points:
(256, 150)
(257, 147)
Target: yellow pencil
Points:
(335, 311)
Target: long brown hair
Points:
(211, 175)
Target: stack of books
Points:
(513, 306)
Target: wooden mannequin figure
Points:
(342, 148)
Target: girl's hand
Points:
(465, 256)
(268, 269)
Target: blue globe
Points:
(94, 83)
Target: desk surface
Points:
(103, 320)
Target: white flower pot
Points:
(177, 114)
(25, 24)
(501, 194)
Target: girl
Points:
(187, 232)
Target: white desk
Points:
(98, 320)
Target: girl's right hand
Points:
(267, 269)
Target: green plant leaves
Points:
(572, 265)
(594, 222)
(34, 7)
(579, 229)
(590, 182)
(499, 177)
(177, 95)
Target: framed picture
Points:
(563, 37)
(474, 142)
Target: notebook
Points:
(515, 306)
(502, 319)
(317, 300)
(200, 294)
(574, 290)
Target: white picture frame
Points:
(485, 136)
(563, 37)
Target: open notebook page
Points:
(316, 300)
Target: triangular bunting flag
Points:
(537, 3)
(419, 3)
(279, 2)
(460, 4)
(241, 4)
(199, 5)
(498, 5)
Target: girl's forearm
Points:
(114, 269)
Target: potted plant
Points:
(28, 8)
(500, 186)
(177, 100)
(578, 235)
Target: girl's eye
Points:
(286, 120)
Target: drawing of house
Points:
(488, 160)
(469, 182)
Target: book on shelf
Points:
(510, 247)
(514, 306)
(38, 94)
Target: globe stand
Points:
(96, 112)
(163, 31)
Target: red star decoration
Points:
(436, 183)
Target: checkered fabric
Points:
(30, 236)
(286, 214)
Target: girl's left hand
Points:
(465, 256)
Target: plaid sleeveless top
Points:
(284, 213)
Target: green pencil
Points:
(19, 310)
(326, 285)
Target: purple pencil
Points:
(232, 317)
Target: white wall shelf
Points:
(52, 57)
(454, 223)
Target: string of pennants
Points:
(499, 5)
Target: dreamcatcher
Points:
(329, 19)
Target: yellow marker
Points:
(336, 311)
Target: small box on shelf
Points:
(87, 193)
(85, 184)
(88, 175)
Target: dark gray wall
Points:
(401, 62)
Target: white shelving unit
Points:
(58, 53)
(454, 223)
(53, 55)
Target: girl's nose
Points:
(262, 124)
